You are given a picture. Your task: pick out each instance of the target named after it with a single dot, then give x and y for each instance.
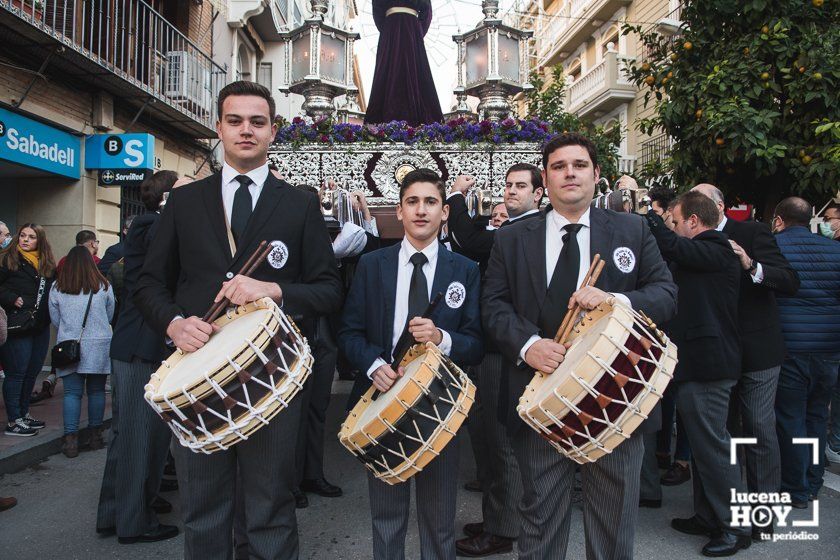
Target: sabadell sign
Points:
(34, 144)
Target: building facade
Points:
(584, 36)
(72, 70)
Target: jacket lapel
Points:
(388, 280)
(216, 215)
(272, 192)
(600, 237)
(443, 271)
(533, 246)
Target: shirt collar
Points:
(561, 221)
(258, 175)
(519, 217)
(721, 224)
(407, 249)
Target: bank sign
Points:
(120, 151)
(34, 144)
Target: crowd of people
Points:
(753, 308)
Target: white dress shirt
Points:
(230, 185)
(554, 232)
(512, 219)
(404, 271)
(758, 275)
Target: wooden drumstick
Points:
(590, 281)
(247, 269)
(570, 314)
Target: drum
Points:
(397, 433)
(614, 373)
(232, 386)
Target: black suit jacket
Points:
(190, 255)
(762, 343)
(133, 336)
(705, 329)
(515, 284)
(114, 253)
(469, 237)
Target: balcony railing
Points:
(134, 42)
(603, 88)
(578, 18)
(656, 149)
(626, 164)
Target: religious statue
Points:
(403, 88)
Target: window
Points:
(264, 75)
(298, 17)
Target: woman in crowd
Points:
(81, 285)
(27, 269)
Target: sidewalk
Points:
(17, 453)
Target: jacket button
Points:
(229, 275)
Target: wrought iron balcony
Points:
(124, 47)
(602, 89)
(657, 149)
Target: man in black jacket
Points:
(532, 278)
(765, 272)
(705, 331)
(206, 233)
(501, 485)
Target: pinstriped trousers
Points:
(610, 499)
(754, 399)
(436, 489)
(136, 453)
(501, 484)
(266, 468)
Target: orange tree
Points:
(742, 89)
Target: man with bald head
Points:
(765, 274)
(811, 326)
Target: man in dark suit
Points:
(391, 289)
(535, 268)
(765, 272)
(195, 251)
(705, 331)
(501, 484)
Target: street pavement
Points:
(56, 514)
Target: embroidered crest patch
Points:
(455, 295)
(624, 259)
(278, 256)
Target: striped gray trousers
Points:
(610, 499)
(136, 453)
(753, 414)
(501, 484)
(265, 464)
(436, 489)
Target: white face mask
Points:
(5, 243)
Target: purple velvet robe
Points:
(403, 88)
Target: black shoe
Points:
(159, 533)
(473, 486)
(106, 531)
(168, 485)
(726, 544)
(321, 487)
(676, 475)
(762, 534)
(799, 505)
(692, 526)
(474, 529)
(20, 429)
(161, 506)
(301, 501)
(482, 545)
(32, 423)
(653, 504)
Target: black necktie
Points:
(418, 290)
(242, 207)
(563, 283)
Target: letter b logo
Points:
(113, 145)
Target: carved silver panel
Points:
(298, 167)
(472, 163)
(501, 162)
(347, 169)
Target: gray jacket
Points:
(67, 312)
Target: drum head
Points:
(227, 343)
(383, 400)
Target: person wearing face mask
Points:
(5, 236)
(830, 226)
(27, 271)
(810, 321)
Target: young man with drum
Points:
(532, 280)
(207, 232)
(391, 291)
